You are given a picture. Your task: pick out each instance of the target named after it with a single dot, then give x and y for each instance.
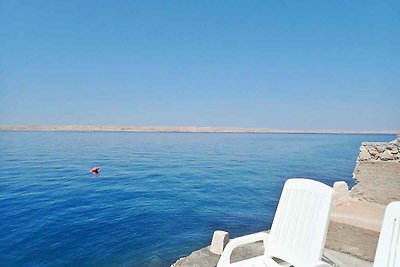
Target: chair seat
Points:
(260, 261)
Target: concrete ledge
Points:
(354, 228)
(361, 214)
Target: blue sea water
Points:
(158, 196)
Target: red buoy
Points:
(95, 170)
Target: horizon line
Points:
(176, 129)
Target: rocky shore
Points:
(380, 151)
(377, 173)
(356, 215)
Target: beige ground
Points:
(189, 129)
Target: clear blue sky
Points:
(274, 64)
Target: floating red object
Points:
(95, 170)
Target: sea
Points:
(157, 197)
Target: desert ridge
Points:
(175, 129)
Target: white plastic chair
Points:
(388, 250)
(298, 232)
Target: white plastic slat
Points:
(388, 250)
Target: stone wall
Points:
(373, 152)
(377, 172)
(356, 216)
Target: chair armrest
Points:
(225, 259)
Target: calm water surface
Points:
(158, 196)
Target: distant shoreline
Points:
(176, 129)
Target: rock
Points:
(381, 148)
(396, 142)
(391, 146)
(386, 155)
(372, 150)
(219, 241)
(341, 194)
(393, 149)
(364, 154)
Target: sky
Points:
(269, 64)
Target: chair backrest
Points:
(388, 250)
(300, 225)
